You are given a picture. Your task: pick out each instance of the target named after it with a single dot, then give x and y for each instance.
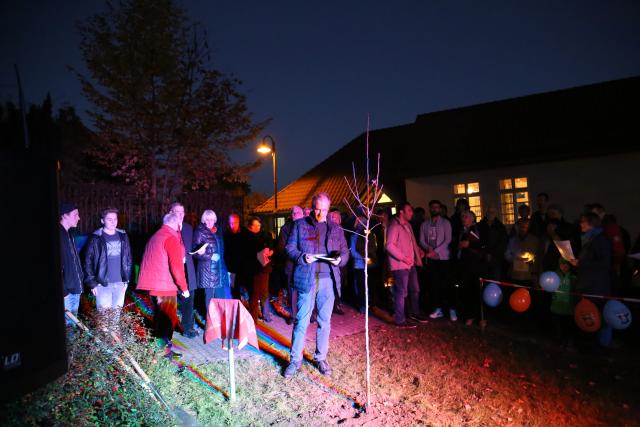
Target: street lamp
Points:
(263, 148)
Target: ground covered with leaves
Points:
(436, 374)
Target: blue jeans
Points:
(71, 303)
(406, 283)
(323, 300)
(110, 296)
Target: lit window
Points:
(513, 193)
(470, 191)
(279, 223)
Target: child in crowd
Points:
(562, 306)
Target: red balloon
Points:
(520, 300)
(587, 316)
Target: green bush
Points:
(96, 390)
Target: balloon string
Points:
(607, 297)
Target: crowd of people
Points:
(420, 266)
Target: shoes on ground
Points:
(291, 369)
(418, 318)
(324, 368)
(171, 353)
(437, 313)
(190, 333)
(404, 325)
(453, 315)
(469, 322)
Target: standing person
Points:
(356, 249)
(259, 246)
(235, 240)
(435, 239)
(212, 273)
(186, 304)
(538, 224)
(462, 205)
(494, 242)
(314, 279)
(594, 266)
(336, 218)
(107, 264)
(283, 238)
(162, 274)
(471, 265)
(72, 274)
(404, 256)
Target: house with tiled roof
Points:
(580, 145)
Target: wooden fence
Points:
(142, 215)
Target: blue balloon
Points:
(550, 281)
(617, 315)
(492, 295)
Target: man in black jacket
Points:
(107, 264)
(69, 259)
(185, 305)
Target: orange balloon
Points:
(587, 316)
(520, 300)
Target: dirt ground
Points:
(448, 374)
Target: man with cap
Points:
(72, 275)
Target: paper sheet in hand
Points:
(202, 247)
(263, 258)
(564, 247)
(324, 257)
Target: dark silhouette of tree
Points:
(166, 120)
(62, 136)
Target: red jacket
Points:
(162, 266)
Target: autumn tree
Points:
(166, 120)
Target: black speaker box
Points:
(33, 337)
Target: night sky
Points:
(318, 68)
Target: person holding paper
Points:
(162, 274)
(594, 266)
(314, 279)
(258, 264)
(211, 271)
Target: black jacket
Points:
(494, 241)
(594, 266)
(95, 260)
(211, 274)
(186, 232)
(70, 262)
(235, 245)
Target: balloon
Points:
(550, 281)
(492, 295)
(520, 300)
(616, 314)
(587, 316)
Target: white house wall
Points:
(613, 181)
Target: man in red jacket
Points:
(162, 274)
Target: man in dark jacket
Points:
(283, 238)
(185, 305)
(494, 241)
(70, 261)
(107, 263)
(594, 266)
(235, 242)
(314, 278)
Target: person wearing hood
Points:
(107, 264)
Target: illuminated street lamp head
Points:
(264, 148)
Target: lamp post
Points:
(263, 148)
